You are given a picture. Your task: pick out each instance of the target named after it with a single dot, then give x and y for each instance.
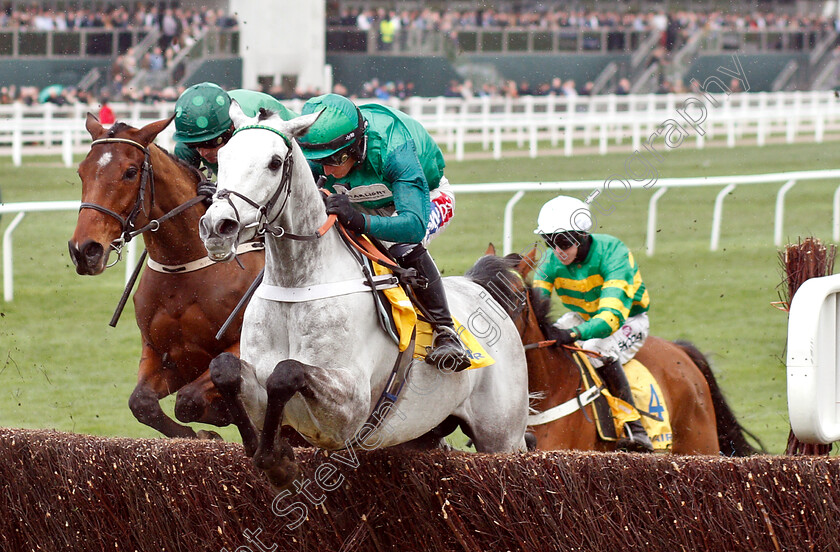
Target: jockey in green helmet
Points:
(202, 120)
(386, 175)
(598, 280)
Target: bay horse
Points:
(129, 183)
(701, 420)
(313, 354)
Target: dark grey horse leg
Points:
(225, 373)
(145, 405)
(274, 454)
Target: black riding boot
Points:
(447, 352)
(637, 438)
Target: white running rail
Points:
(592, 187)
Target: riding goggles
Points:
(216, 142)
(562, 240)
(334, 160)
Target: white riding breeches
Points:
(623, 344)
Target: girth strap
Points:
(324, 291)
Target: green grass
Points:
(63, 367)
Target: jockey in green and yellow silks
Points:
(597, 279)
(386, 175)
(202, 120)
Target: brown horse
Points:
(701, 420)
(128, 183)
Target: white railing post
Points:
(507, 234)
(17, 147)
(532, 139)
(8, 264)
(778, 226)
(130, 258)
(718, 215)
(651, 222)
(67, 147)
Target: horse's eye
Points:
(130, 173)
(275, 163)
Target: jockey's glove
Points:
(562, 337)
(348, 216)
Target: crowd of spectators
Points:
(170, 20)
(179, 28)
(546, 18)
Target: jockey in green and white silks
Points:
(597, 279)
(202, 120)
(386, 177)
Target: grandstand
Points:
(139, 51)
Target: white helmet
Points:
(564, 214)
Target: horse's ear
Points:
(528, 262)
(299, 126)
(148, 133)
(93, 127)
(491, 249)
(237, 115)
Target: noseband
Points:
(284, 188)
(147, 177)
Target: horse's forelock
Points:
(117, 128)
(265, 114)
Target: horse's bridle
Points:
(128, 230)
(265, 226)
(147, 176)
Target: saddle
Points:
(403, 318)
(399, 315)
(611, 413)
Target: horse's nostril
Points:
(228, 227)
(92, 251)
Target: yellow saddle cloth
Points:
(649, 400)
(406, 318)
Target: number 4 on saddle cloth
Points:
(404, 318)
(646, 391)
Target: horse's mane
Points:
(541, 304)
(498, 276)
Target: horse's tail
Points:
(732, 437)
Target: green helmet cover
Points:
(339, 119)
(202, 113)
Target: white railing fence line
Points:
(519, 189)
(20, 210)
(494, 123)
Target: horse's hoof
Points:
(208, 435)
(283, 474)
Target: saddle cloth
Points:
(611, 413)
(405, 317)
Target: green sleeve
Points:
(411, 199)
(544, 274)
(618, 271)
